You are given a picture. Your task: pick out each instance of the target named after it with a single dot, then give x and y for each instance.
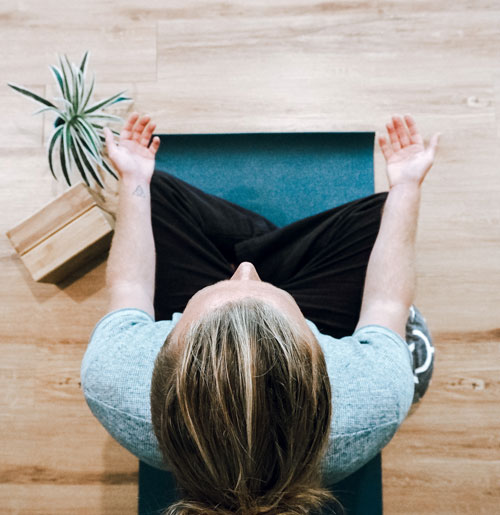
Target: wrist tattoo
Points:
(139, 192)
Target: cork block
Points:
(63, 235)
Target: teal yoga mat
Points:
(284, 177)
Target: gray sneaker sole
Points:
(419, 340)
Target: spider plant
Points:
(78, 126)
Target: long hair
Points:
(241, 411)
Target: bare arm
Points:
(130, 273)
(390, 277)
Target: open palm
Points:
(134, 156)
(407, 158)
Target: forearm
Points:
(132, 258)
(390, 276)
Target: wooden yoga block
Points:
(63, 235)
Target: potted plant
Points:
(74, 227)
(78, 127)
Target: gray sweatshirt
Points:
(370, 374)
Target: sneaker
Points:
(419, 341)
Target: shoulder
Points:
(372, 341)
(372, 385)
(117, 366)
(116, 377)
(375, 353)
(123, 319)
(134, 433)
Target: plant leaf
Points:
(97, 126)
(80, 147)
(79, 164)
(58, 111)
(57, 75)
(77, 90)
(74, 89)
(87, 150)
(84, 105)
(64, 77)
(65, 81)
(53, 140)
(88, 165)
(108, 168)
(121, 99)
(64, 153)
(94, 136)
(68, 106)
(104, 103)
(89, 141)
(89, 136)
(32, 95)
(68, 142)
(81, 90)
(102, 163)
(77, 160)
(83, 64)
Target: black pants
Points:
(320, 260)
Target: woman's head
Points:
(241, 407)
(244, 282)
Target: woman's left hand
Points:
(134, 157)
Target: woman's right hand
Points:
(408, 160)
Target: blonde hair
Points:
(241, 411)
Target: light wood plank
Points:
(44, 499)
(20, 128)
(36, 40)
(446, 453)
(265, 65)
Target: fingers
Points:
(155, 144)
(140, 129)
(126, 132)
(393, 135)
(433, 144)
(415, 136)
(134, 127)
(385, 147)
(110, 144)
(403, 136)
(399, 136)
(147, 133)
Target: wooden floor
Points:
(251, 66)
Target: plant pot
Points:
(58, 121)
(63, 235)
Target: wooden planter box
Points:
(63, 235)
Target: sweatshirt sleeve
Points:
(118, 364)
(372, 390)
(116, 376)
(394, 360)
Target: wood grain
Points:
(50, 218)
(264, 65)
(451, 442)
(87, 236)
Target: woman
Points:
(277, 363)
